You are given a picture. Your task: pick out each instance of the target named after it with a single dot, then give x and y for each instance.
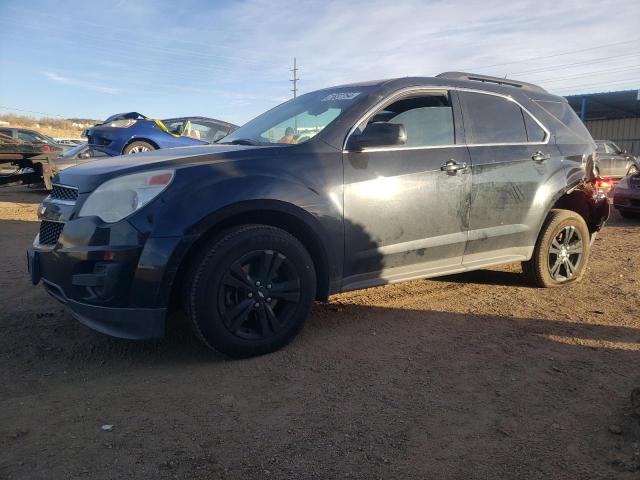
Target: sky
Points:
(231, 59)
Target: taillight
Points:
(45, 148)
(604, 185)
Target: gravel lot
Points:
(469, 376)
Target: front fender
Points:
(190, 210)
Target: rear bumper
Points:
(130, 323)
(627, 199)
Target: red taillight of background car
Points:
(604, 185)
(45, 148)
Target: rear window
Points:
(574, 128)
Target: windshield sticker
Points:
(340, 96)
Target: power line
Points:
(595, 72)
(567, 65)
(5, 107)
(599, 84)
(530, 59)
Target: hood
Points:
(125, 116)
(89, 175)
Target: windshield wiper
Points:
(240, 141)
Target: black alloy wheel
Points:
(249, 290)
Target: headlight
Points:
(117, 198)
(121, 123)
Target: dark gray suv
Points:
(339, 189)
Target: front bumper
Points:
(112, 277)
(134, 323)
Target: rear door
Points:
(404, 216)
(514, 171)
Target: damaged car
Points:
(339, 189)
(132, 132)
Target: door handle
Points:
(452, 167)
(540, 157)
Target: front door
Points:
(404, 216)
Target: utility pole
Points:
(295, 89)
(295, 78)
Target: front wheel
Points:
(250, 290)
(138, 147)
(561, 252)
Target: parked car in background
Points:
(74, 156)
(31, 136)
(626, 196)
(613, 161)
(339, 189)
(24, 162)
(132, 132)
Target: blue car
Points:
(132, 132)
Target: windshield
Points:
(298, 120)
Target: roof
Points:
(599, 106)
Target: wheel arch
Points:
(139, 139)
(581, 200)
(290, 218)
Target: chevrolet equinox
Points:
(339, 189)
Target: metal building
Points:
(611, 116)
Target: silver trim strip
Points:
(408, 90)
(60, 201)
(64, 186)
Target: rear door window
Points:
(492, 119)
(535, 133)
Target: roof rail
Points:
(488, 79)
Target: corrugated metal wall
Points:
(624, 131)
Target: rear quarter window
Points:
(574, 130)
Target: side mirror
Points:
(379, 135)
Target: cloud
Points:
(80, 83)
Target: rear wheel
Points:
(250, 290)
(561, 252)
(138, 147)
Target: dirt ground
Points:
(464, 377)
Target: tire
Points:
(249, 290)
(572, 243)
(138, 147)
(628, 214)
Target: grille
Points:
(60, 192)
(49, 232)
